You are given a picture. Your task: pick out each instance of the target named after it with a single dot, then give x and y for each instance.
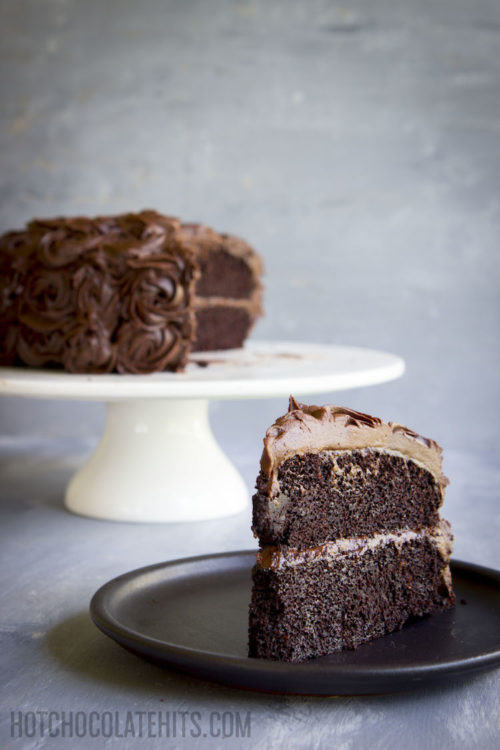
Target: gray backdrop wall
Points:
(357, 146)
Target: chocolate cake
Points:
(134, 293)
(346, 511)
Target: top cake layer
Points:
(330, 472)
(133, 293)
(226, 263)
(306, 429)
(228, 291)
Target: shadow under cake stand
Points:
(157, 459)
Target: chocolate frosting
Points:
(275, 558)
(103, 294)
(100, 294)
(308, 429)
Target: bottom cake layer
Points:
(223, 326)
(308, 603)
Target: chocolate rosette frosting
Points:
(89, 350)
(144, 350)
(96, 296)
(58, 243)
(48, 301)
(156, 290)
(38, 349)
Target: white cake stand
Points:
(157, 459)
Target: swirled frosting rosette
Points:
(48, 302)
(37, 348)
(97, 296)
(143, 350)
(89, 350)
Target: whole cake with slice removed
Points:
(132, 293)
(346, 511)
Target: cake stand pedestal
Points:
(157, 459)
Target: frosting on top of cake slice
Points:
(309, 429)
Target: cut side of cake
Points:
(228, 291)
(346, 511)
(133, 293)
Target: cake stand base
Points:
(157, 461)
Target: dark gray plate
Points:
(191, 615)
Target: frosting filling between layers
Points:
(252, 304)
(275, 558)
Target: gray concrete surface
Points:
(54, 659)
(357, 146)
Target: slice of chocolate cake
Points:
(352, 545)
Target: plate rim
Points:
(176, 656)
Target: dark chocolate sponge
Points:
(334, 494)
(319, 607)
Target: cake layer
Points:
(329, 472)
(330, 494)
(229, 266)
(222, 326)
(310, 603)
(309, 429)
